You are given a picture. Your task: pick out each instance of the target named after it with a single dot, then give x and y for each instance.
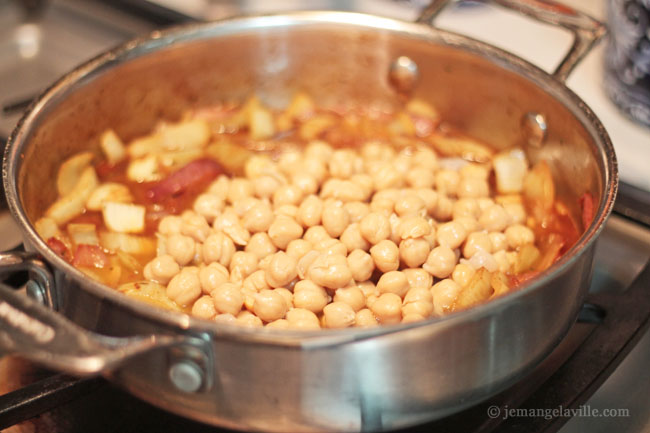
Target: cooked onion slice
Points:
(71, 170)
(124, 218)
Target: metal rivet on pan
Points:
(186, 376)
(36, 292)
(403, 74)
(534, 128)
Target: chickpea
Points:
(306, 261)
(477, 241)
(315, 167)
(258, 165)
(181, 248)
(305, 182)
(341, 165)
(283, 230)
(319, 150)
(498, 240)
(441, 262)
(470, 224)
(310, 211)
(269, 305)
(411, 317)
(343, 190)
(473, 187)
(204, 308)
(228, 223)
(444, 208)
(309, 296)
(361, 265)
(444, 295)
(503, 263)
(383, 206)
(386, 176)
(335, 218)
(248, 320)
(387, 308)
(413, 227)
(220, 187)
(243, 264)
(420, 177)
(418, 308)
(240, 207)
(330, 270)
(367, 288)
(364, 181)
(316, 234)
(385, 255)
(287, 194)
(374, 150)
(299, 318)
(278, 324)
(258, 218)
(518, 235)
(228, 298)
(352, 239)
(447, 182)
(256, 281)
(297, 248)
(393, 282)
(286, 295)
(418, 277)
(239, 188)
(357, 210)
(170, 225)
(463, 274)
(414, 252)
(429, 198)
(365, 319)
(184, 288)
(331, 246)
(266, 186)
(209, 206)
(218, 248)
(225, 318)
(409, 204)
(338, 315)
(161, 269)
(281, 270)
(466, 207)
(213, 276)
(375, 227)
(451, 234)
(286, 210)
(289, 160)
(494, 218)
(351, 295)
(516, 212)
(260, 245)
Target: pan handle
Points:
(585, 29)
(33, 331)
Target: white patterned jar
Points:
(627, 59)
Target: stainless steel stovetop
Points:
(583, 370)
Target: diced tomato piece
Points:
(190, 177)
(91, 256)
(59, 247)
(588, 209)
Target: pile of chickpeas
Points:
(323, 237)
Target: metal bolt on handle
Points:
(585, 29)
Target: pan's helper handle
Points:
(585, 29)
(33, 331)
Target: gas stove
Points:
(600, 366)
